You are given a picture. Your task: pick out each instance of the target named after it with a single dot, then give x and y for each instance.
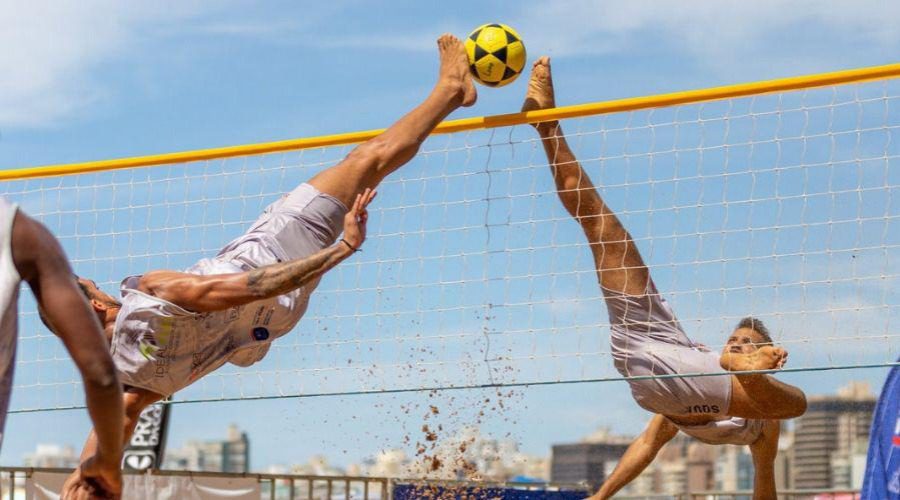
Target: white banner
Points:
(46, 486)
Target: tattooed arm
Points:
(223, 291)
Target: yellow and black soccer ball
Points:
(496, 54)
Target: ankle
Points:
(449, 88)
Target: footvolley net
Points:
(774, 199)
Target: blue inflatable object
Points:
(418, 491)
(882, 480)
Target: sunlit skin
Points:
(352, 182)
(621, 269)
(41, 262)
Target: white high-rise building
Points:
(229, 455)
(831, 431)
(52, 455)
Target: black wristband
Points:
(349, 245)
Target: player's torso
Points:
(162, 347)
(9, 289)
(9, 302)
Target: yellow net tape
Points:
(635, 103)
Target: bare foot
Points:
(540, 87)
(455, 68)
(769, 358)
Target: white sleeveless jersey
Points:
(9, 298)
(734, 430)
(163, 348)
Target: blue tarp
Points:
(418, 491)
(882, 479)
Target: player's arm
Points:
(638, 456)
(223, 291)
(219, 292)
(763, 451)
(42, 263)
(757, 395)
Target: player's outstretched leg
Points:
(373, 160)
(619, 265)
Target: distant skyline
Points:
(102, 79)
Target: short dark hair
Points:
(93, 296)
(84, 289)
(757, 326)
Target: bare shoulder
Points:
(33, 245)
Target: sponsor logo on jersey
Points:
(234, 314)
(258, 315)
(260, 333)
(147, 350)
(157, 339)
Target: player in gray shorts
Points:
(649, 346)
(171, 328)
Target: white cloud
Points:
(724, 35)
(50, 50)
(579, 26)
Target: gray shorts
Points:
(648, 341)
(297, 225)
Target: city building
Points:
(586, 462)
(734, 468)
(701, 467)
(229, 455)
(388, 463)
(826, 438)
(317, 465)
(645, 484)
(784, 459)
(52, 455)
(848, 467)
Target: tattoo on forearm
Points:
(284, 277)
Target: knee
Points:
(786, 409)
(798, 407)
(133, 410)
(135, 403)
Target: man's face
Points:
(744, 341)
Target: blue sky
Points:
(95, 80)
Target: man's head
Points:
(749, 335)
(100, 301)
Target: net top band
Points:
(859, 75)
